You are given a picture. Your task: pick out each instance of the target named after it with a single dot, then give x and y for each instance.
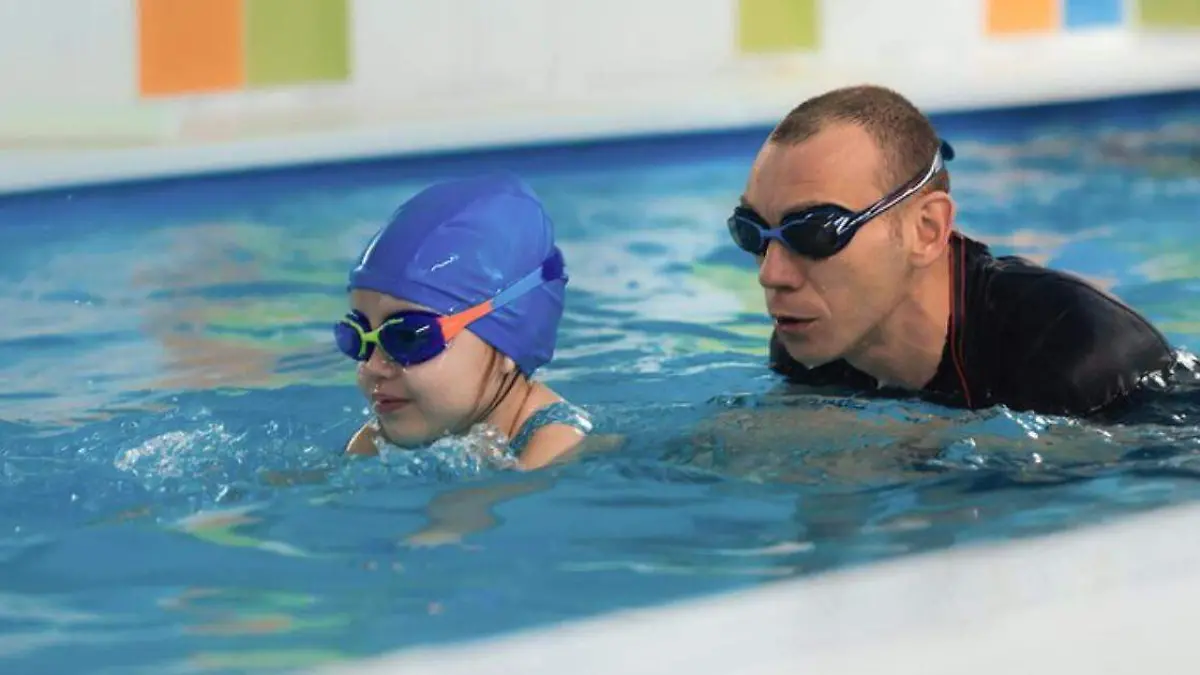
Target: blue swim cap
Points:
(460, 242)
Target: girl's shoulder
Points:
(556, 412)
(567, 417)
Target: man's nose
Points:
(779, 268)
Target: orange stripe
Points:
(190, 46)
(1023, 16)
(454, 324)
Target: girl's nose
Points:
(380, 364)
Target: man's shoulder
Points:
(1021, 299)
(1059, 341)
(1012, 279)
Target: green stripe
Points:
(297, 41)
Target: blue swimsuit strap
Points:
(559, 412)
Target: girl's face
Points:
(418, 404)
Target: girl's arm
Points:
(363, 441)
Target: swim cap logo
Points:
(362, 260)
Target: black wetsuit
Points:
(1023, 336)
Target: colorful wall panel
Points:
(1007, 17)
(296, 41)
(766, 26)
(188, 46)
(202, 46)
(1169, 13)
(1093, 13)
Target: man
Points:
(848, 212)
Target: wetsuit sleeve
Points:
(1070, 349)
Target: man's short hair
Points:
(904, 135)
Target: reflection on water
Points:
(248, 612)
(172, 497)
(230, 302)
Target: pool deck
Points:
(1117, 598)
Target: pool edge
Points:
(24, 173)
(1121, 593)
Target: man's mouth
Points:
(790, 324)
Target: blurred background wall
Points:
(84, 61)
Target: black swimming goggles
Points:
(823, 230)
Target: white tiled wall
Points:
(920, 32)
(403, 50)
(643, 37)
(512, 44)
(414, 53)
(45, 59)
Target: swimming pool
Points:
(172, 496)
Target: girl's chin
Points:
(405, 436)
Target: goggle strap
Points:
(914, 186)
(455, 323)
(550, 269)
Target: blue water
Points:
(172, 499)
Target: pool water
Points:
(172, 499)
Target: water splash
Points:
(174, 454)
(483, 449)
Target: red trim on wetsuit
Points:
(958, 308)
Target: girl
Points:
(455, 303)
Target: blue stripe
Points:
(524, 285)
(1094, 13)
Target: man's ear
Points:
(934, 223)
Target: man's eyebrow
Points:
(798, 206)
(801, 206)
